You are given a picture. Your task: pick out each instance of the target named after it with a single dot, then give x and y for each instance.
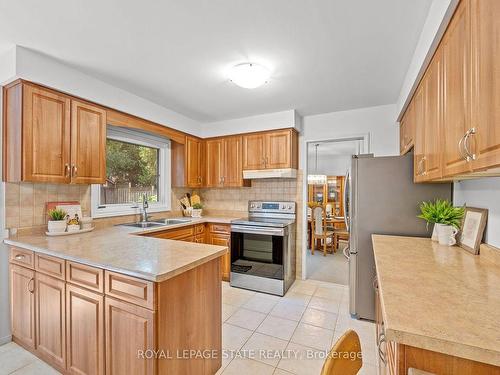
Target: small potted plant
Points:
(57, 221)
(197, 208)
(441, 213)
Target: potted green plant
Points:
(57, 221)
(444, 216)
(197, 208)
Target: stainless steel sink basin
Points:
(173, 221)
(143, 224)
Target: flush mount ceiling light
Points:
(249, 75)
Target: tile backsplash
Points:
(25, 201)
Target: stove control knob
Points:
(252, 205)
(289, 207)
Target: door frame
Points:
(366, 142)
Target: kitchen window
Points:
(137, 166)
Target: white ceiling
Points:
(326, 55)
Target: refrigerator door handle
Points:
(344, 203)
(352, 282)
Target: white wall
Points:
(39, 68)
(440, 13)
(482, 193)
(275, 120)
(333, 165)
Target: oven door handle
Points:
(259, 230)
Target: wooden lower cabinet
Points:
(220, 235)
(130, 332)
(22, 302)
(50, 295)
(84, 331)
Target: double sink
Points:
(156, 223)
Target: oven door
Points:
(258, 251)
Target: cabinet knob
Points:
(31, 285)
(74, 170)
(66, 170)
(19, 257)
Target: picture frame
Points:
(472, 230)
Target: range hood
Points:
(269, 173)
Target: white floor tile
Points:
(234, 337)
(246, 318)
(312, 336)
(279, 371)
(247, 367)
(303, 287)
(297, 298)
(15, 358)
(324, 304)
(36, 368)
(333, 293)
(277, 327)
(264, 348)
(227, 311)
(288, 310)
(320, 318)
(235, 296)
(262, 303)
(302, 360)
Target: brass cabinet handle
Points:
(469, 155)
(419, 167)
(382, 355)
(264, 161)
(74, 170)
(424, 172)
(31, 287)
(461, 148)
(19, 257)
(66, 170)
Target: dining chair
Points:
(319, 229)
(345, 358)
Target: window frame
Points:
(164, 181)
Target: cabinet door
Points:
(88, 143)
(233, 173)
(278, 149)
(456, 88)
(486, 83)
(130, 331)
(215, 162)
(432, 120)
(51, 320)
(46, 135)
(406, 131)
(418, 108)
(193, 162)
(22, 284)
(254, 151)
(84, 331)
(223, 240)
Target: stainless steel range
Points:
(263, 248)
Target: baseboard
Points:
(5, 339)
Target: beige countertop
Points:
(439, 298)
(119, 249)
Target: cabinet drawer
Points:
(199, 228)
(22, 257)
(200, 238)
(85, 276)
(176, 234)
(220, 228)
(51, 266)
(130, 289)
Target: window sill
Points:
(125, 211)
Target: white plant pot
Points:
(435, 234)
(447, 235)
(56, 226)
(196, 212)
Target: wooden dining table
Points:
(336, 222)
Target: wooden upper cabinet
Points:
(407, 130)
(270, 150)
(46, 135)
(88, 143)
(215, 162)
(254, 151)
(233, 171)
(431, 160)
(456, 91)
(22, 304)
(485, 26)
(194, 151)
(418, 109)
(278, 149)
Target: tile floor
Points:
(332, 268)
(262, 334)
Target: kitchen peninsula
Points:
(438, 307)
(111, 301)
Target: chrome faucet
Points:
(145, 207)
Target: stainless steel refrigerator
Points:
(381, 198)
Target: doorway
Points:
(327, 165)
